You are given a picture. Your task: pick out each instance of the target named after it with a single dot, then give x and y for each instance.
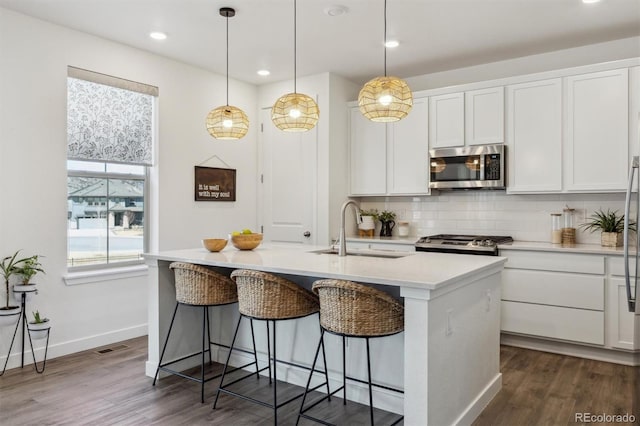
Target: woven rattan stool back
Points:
(199, 285)
(355, 309)
(266, 296)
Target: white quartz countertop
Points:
(418, 270)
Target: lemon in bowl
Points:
(245, 241)
(214, 244)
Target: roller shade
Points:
(109, 119)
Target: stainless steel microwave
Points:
(472, 167)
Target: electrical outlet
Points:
(449, 326)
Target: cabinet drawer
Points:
(553, 288)
(561, 262)
(576, 325)
(616, 265)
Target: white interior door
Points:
(289, 183)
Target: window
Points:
(110, 140)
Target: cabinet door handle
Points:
(307, 234)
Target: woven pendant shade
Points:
(227, 122)
(385, 99)
(295, 112)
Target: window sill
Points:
(107, 274)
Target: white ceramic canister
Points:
(403, 229)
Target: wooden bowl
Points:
(246, 241)
(214, 244)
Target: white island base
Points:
(451, 341)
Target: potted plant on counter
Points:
(368, 225)
(611, 226)
(387, 220)
(9, 265)
(27, 269)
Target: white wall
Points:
(33, 70)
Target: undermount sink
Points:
(368, 253)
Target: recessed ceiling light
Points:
(336, 10)
(157, 35)
(392, 43)
(264, 72)
(590, 1)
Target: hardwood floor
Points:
(111, 388)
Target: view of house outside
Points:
(105, 218)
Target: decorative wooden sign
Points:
(215, 184)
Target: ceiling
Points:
(435, 35)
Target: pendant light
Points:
(227, 121)
(385, 99)
(295, 112)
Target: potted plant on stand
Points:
(9, 315)
(28, 268)
(611, 226)
(368, 225)
(387, 220)
(39, 327)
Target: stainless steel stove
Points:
(463, 244)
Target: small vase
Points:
(611, 239)
(386, 228)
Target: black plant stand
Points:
(23, 320)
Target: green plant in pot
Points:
(39, 327)
(369, 218)
(387, 219)
(610, 224)
(8, 267)
(27, 269)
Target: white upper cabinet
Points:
(390, 159)
(597, 144)
(408, 150)
(446, 120)
(484, 116)
(368, 155)
(475, 117)
(534, 136)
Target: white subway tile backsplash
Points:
(524, 217)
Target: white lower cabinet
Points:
(544, 295)
(621, 324)
(569, 297)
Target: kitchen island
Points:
(451, 340)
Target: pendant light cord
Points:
(295, 59)
(227, 16)
(385, 38)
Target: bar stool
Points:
(350, 309)
(263, 296)
(200, 286)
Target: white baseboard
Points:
(69, 347)
(480, 402)
(576, 350)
